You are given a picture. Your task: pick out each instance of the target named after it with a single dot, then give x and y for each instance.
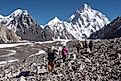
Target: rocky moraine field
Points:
(28, 62)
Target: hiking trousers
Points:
(50, 66)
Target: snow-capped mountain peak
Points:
(87, 20)
(18, 19)
(86, 6)
(80, 25)
(54, 20)
(58, 28)
(18, 13)
(55, 23)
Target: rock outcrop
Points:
(8, 36)
(21, 22)
(112, 30)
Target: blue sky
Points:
(44, 10)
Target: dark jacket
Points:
(51, 56)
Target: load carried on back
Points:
(51, 58)
(64, 53)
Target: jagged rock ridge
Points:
(80, 25)
(21, 22)
(112, 30)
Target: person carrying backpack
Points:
(78, 48)
(64, 53)
(51, 58)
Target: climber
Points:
(51, 58)
(64, 53)
(90, 45)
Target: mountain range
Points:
(84, 23)
(81, 24)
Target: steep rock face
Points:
(80, 25)
(59, 29)
(8, 36)
(85, 21)
(27, 27)
(24, 25)
(112, 30)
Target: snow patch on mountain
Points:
(11, 21)
(55, 20)
(85, 21)
(80, 25)
(16, 13)
(112, 30)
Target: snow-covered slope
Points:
(86, 21)
(13, 20)
(112, 30)
(80, 25)
(59, 29)
(21, 22)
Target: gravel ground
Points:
(103, 63)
